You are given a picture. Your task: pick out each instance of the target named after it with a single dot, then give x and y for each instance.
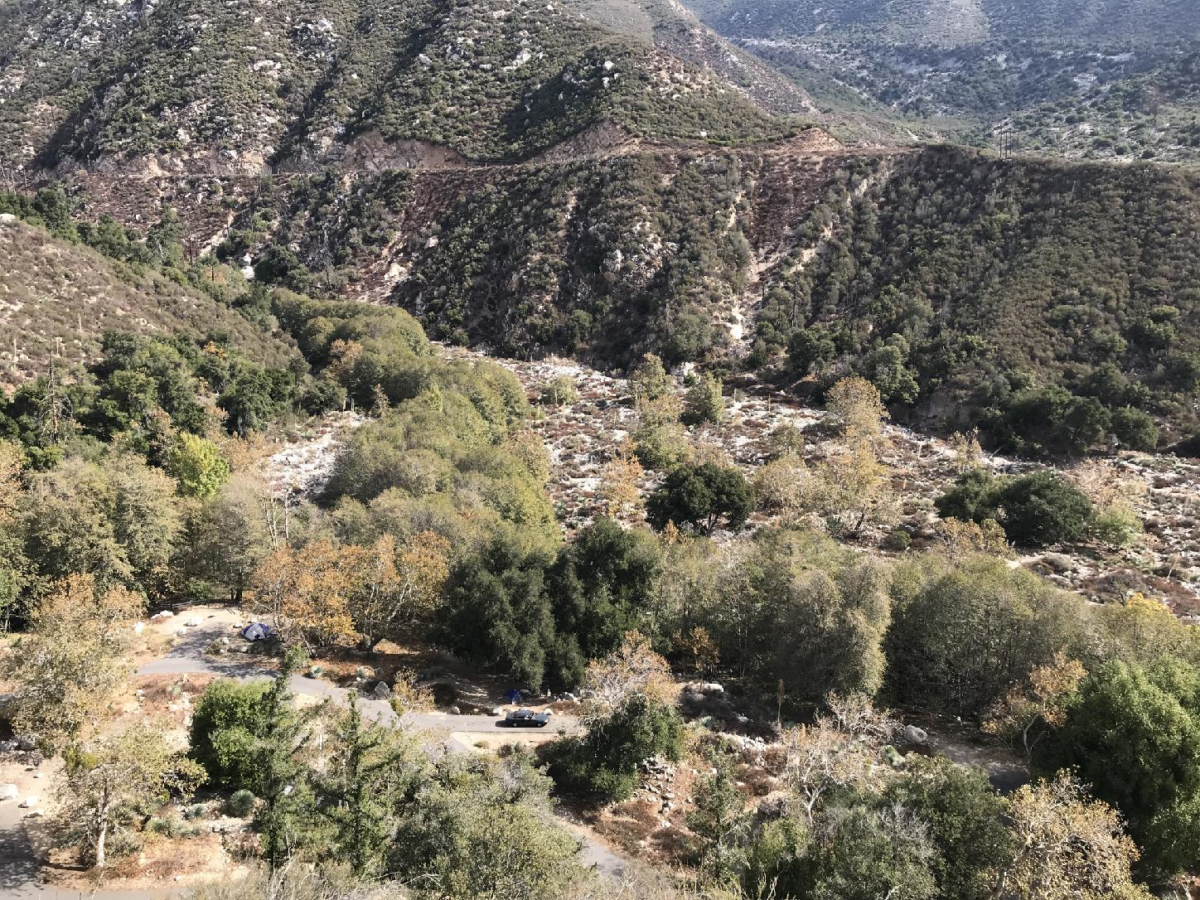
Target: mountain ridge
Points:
(200, 86)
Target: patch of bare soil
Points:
(964, 744)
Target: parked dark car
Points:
(526, 718)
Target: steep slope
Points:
(952, 278)
(981, 278)
(58, 299)
(667, 24)
(47, 52)
(214, 86)
(1155, 115)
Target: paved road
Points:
(18, 864)
(187, 657)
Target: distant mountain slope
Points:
(667, 24)
(1154, 115)
(957, 22)
(235, 85)
(1064, 77)
(58, 299)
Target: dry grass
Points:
(169, 696)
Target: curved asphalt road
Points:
(18, 863)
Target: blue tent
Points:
(257, 631)
(514, 696)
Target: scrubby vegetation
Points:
(769, 663)
(1061, 369)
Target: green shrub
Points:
(227, 719)
(171, 827)
(1042, 509)
(240, 804)
(1118, 525)
(560, 391)
(1135, 429)
(972, 499)
(198, 466)
(603, 763)
(1133, 735)
(701, 497)
(898, 541)
(1035, 510)
(704, 402)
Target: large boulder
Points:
(914, 735)
(382, 691)
(9, 792)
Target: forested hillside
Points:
(525, 450)
(956, 279)
(963, 22)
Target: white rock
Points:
(431, 243)
(8, 219)
(139, 627)
(30, 802)
(35, 814)
(9, 792)
(193, 622)
(915, 735)
(162, 616)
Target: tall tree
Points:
(284, 817)
(1133, 735)
(1069, 847)
(702, 497)
(306, 593)
(719, 821)
(14, 567)
(229, 535)
(367, 773)
(119, 522)
(396, 585)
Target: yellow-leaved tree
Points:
(396, 585)
(69, 667)
(306, 594)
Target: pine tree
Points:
(280, 779)
(367, 773)
(720, 821)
